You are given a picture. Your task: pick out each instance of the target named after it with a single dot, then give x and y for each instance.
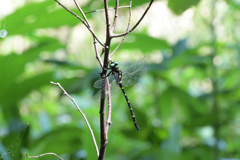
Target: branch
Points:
(104, 9)
(85, 23)
(102, 127)
(116, 15)
(104, 140)
(44, 154)
(94, 38)
(97, 53)
(130, 15)
(127, 32)
(108, 123)
(90, 129)
(85, 18)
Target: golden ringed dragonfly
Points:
(122, 78)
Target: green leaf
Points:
(179, 6)
(47, 14)
(142, 41)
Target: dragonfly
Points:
(117, 79)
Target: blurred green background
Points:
(186, 105)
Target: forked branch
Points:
(129, 31)
(85, 23)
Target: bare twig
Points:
(85, 18)
(94, 39)
(120, 35)
(90, 129)
(88, 27)
(116, 15)
(108, 123)
(97, 53)
(44, 154)
(129, 20)
(99, 10)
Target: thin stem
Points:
(108, 123)
(97, 53)
(129, 20)
(99, 10)
(85, 18)
(127, 32)
(88, 27)
(116, 15)
(89, 127)
(44, 154)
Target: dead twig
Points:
(115, 15)
(130, 15)
(99, 10)
(85, 23)
(44, 154)
(78, 108)
(129, 31)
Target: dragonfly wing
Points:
(133, 77)
(106, 84)
(101, 83)
(114, 88)
(136, 66)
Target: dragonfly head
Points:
(113, 64)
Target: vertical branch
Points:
(97, 53)
(129, 20)
(104, 140)
(116, 15)
(109, 109)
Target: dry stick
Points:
(82, 22)
(99, 10)
(94, 39)
(85, 18)
(44, 155)
(116, 15)
(90, 129)
(97, 53)
(120, 35)
(130, 15)
(108, 123)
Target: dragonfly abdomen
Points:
(130, 107)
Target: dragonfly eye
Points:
(112, 64)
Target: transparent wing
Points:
(132, 73)
(133, 77)
(103, 81)
(105, 85)
(136, 66)
(130, 76)
(114, 88)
